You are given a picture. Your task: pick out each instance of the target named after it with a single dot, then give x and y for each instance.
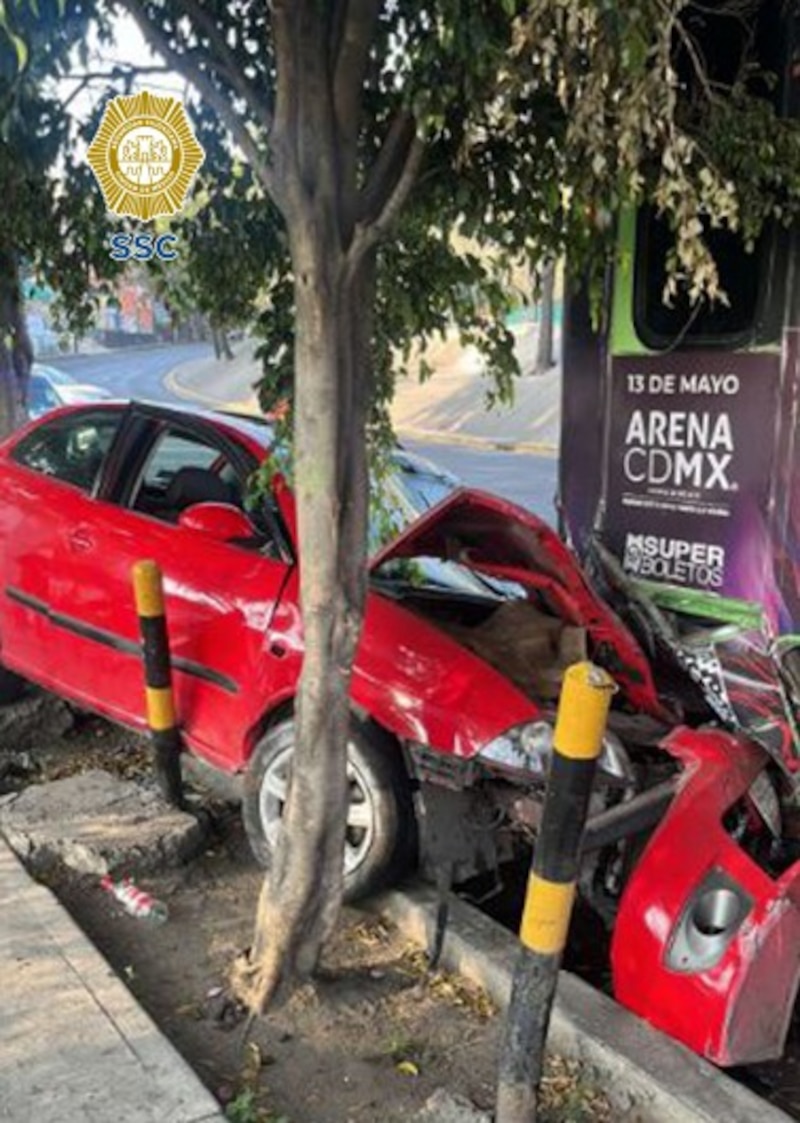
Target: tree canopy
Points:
(537, 122)
(670, 102)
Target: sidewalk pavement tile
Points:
(75, 1047)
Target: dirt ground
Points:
(368, 1042)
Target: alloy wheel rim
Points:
(360, 830)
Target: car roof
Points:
(256, 429)
(247, 425)
(47, 370)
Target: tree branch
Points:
(674, 26)
(356, 19)
(387, 168)
(118, 70)
(126, 71)
(226, 62)
(304, 143)
(205, 86)
(351, 32)
(368, 234)
(285, 14)
(336, 24)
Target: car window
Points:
(706, 323)
(173, 451)
(407, 491)
(71, 449)
(183, 469)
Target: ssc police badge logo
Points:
(145, 155)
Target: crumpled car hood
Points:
(503, 541)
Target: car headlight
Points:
(527, 748)
(524, 748)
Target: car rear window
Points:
(71, 449)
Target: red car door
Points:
(228, 662)
(46, 479)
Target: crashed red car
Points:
(475, 609)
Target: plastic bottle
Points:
(137, 902)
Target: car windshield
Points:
(410, 487)
(406, 493)
(422, 482)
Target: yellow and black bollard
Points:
(149, 593)
(580, 726)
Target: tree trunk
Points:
(301, 896)
(16, 352)
(222, 345)
(544, 346)
(335, 219)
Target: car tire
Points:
(12, 687)
(382, 843)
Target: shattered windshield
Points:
(410, 486)
(407, 492)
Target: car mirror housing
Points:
(221, 521)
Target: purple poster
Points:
(691, 471)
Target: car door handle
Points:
(80, 540)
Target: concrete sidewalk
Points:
(451, 406)
(75, 1046)
(219, 383)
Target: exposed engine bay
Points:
(480, 814)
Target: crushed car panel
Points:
(706, 944)
(502, 541)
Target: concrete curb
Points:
(467, 440)
(66, 357)
(172, 381)
(174, 384)
(74, 1043)
(641, 1070)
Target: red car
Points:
(475, 609)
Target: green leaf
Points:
(21, 47)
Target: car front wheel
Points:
(380, 842)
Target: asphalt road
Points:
(139, 373)
(135, 373)
(522, 477)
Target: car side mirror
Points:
(220, 521)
